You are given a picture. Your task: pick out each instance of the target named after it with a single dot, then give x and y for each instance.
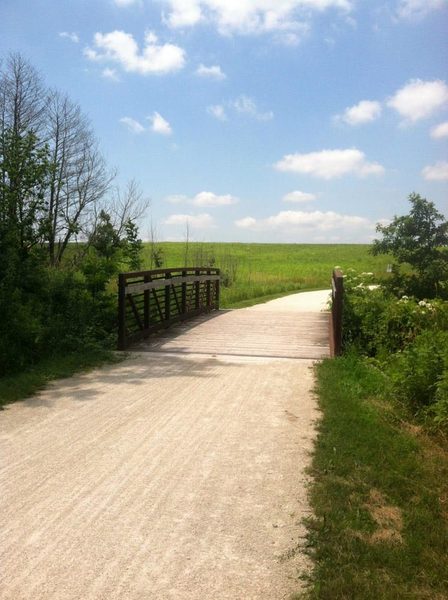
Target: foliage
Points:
(25, 170)
(408, 340)
(105, 238)
(80, 312)
(420, 240)
(378, 323)
(133, 246)
(419, 371)
(157, 257)
(50, 193)
(51, 311)
(439, 409)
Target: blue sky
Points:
(255, 120)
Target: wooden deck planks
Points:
(248, 332)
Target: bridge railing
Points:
(337, 296)
(152, 300)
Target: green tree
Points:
(56, 296)
(102, 261)
(132, 246)
(24, 172)
(419, 243)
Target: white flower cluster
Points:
(426, 306)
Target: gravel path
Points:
(171, 475)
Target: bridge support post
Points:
(184, 294)
(121, 312)
(146, 307)
(217, 291)
(208, 291)
(197, 285)
(336, 312)
(168, 296)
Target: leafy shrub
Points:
(20, 330)
(79, 316)
(61, 313)
(418, 241)
(408, 338)
(362, 312)
(377, 323)
(439, 410)
(21, 309)
(418, 372)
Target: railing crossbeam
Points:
(178, 294)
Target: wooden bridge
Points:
(177, 473)
(279, 329)
(152, 301)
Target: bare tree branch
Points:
(127, 205)
(80, 177)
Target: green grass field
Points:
(260, 271)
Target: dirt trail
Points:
(170, 475)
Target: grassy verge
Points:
(25, 384)
(380, 495)
(258, 270)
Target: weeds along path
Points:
(178, 473)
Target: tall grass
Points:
(258, 270)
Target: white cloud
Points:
(243, 105)
(351, 22)
(184, 13)
(417, 9)
(363, 112)
(299, 197)
(328, 164)
(132, 125)
(203, 199)
(120, 47)
(248, 16)
(289, 38)
(202, 221)
(124, 3)
(312, 225)
(217, 111)
(437, 172)
(440, 131)
(419, 99)
(177, 199)
(246, 223)
(294, 37)
(211, 199)
(72, 36)
(247, 106)
(212, 72)
(159, 124)
(111, 74)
